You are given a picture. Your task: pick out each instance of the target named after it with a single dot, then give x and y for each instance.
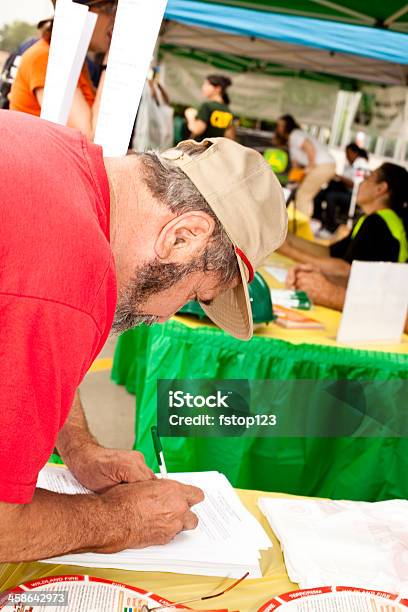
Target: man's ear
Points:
(184, 237)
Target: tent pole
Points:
(347, 11)
(396, 15)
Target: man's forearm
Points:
(333, 266)
(75, 434)
(303, 251)
(338, 297)
(334, 299)
(53, 525)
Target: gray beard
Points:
(150, 279)
(125, 320)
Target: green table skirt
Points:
(363, 469)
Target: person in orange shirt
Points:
(27, 91)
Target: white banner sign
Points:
(253, 95)
(384, 111)
(135, 33)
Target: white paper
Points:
(72, 32)
(59, 480)
(134, 37)
(327, 542)
(227, 541)
(376, 303)
(279, 272)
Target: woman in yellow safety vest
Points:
(379, 235)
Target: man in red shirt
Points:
(87, 243)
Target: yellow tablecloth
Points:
(248, 597)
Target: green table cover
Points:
(368, 469)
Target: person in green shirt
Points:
(214, 117)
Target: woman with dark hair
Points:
(214, 117)
(379, 235)
(381, 232)
(311, 155)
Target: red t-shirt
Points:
(57, 286)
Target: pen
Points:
(158, 449)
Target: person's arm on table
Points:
(296, 243)
(319, 288)
(327, 265)
(96, 467)
(126, 516)
(47, 348)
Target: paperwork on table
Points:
(227, 541)
(342, 542)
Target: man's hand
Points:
(150, 513)
(316, 285)
(308, 278)
(99, 468)
(127, 516)
(291, 278)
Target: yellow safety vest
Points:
(396, 227)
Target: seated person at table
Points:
(379, 235)
(337, 194)
(308, 153)
(322, 290)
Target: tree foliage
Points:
(13, 34)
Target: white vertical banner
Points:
(134, 37)
(71, 35)
(384, 111)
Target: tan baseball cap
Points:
(247, 198)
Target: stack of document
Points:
(344, 543)
(227, 541)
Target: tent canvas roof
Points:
(301, 43)
(392, 14)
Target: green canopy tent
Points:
(345, 44)
(391, 15)
(313, 35)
